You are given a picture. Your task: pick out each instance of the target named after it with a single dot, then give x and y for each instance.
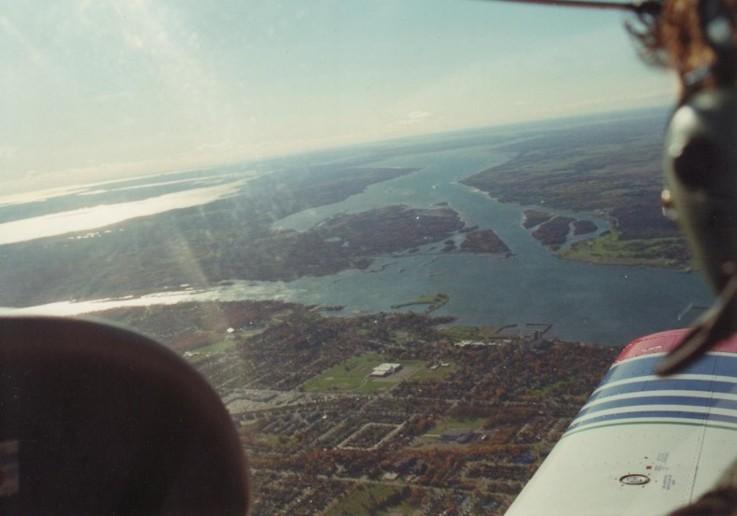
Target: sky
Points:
(96, 89)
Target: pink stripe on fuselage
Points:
(665, 341)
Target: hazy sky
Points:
(100, 88)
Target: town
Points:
(389, 413)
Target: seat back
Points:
(95, 419)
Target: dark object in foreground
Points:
(720, 501)
(714, 326)
(98, 420)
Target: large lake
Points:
(597, 303)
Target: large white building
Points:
(385, 369)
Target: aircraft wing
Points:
(643, 444)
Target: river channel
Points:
(592, 302)
(589, 302)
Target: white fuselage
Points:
(642, 444)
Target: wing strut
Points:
(648, 7)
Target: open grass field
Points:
(423, 372)
(225, 344)
(449, 424)
(363, 499)
(352, 375)
(610, 248)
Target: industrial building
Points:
(385, 369)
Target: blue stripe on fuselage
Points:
(642, 370)
(662, 400)
(666, 384)
(709, 364)
(650, 414)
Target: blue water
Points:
(597, 303)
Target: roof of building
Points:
(386, 368)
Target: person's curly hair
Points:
(674, 38)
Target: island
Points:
(463, 417)
(578, 169)
(554, 232)
(386, 230)
(584, 227)
(533, 218)
(484, 241)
